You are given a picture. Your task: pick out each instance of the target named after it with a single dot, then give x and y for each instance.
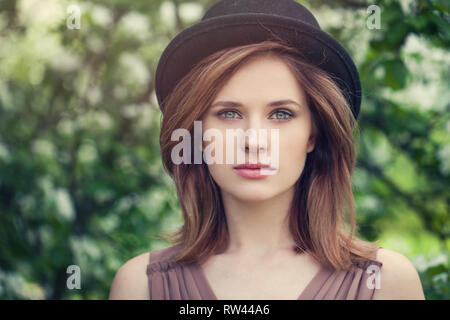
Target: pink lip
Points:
(252, 166)
(250, 173)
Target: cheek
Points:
(216, 144)
(220, 174)
(293, 151)
(294, 138)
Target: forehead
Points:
(262, 79)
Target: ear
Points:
(311, 144)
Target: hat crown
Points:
(285, 8)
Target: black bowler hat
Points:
(230, 23)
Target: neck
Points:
(259, 228)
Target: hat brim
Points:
(214, 34)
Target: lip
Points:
(251, 166)
(256, 173)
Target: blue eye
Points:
(227, 112)
(230, 114)
(285, 115)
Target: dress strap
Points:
(160, 259)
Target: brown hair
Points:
(322, 209)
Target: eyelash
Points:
(290, 114)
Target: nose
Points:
(255, 141)
(256, 137)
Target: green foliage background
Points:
(81, 180)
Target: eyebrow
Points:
(271, 104)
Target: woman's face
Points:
(254, 86)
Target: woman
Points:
(254, 234)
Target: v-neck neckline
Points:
(306, 293)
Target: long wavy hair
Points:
(322, 211)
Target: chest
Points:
(278, 281)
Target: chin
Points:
(253, 194)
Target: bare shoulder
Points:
(399, 279)
(130, 281)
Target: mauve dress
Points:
(169, 280)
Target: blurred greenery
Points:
(81, 180)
